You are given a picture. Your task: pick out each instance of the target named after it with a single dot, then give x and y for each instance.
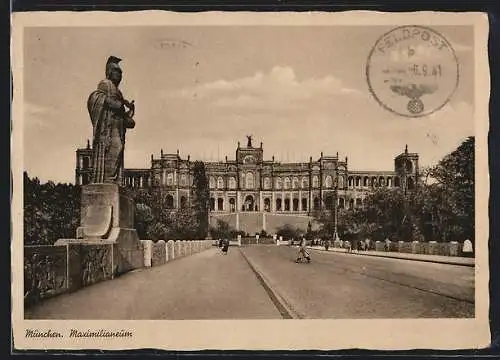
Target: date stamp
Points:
(412, 71)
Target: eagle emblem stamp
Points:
(412, 71)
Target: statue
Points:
(249, 137)
(111, 116)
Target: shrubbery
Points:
(441, 208)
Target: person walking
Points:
(303, 252)
(225, 246)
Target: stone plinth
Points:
(104, 207)
(107, 217)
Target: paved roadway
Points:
(258, 282)
(339, 285)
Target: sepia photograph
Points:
(239, 170)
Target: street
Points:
(338, 285)
(264, 282)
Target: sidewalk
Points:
(450, 260)
(206, 285)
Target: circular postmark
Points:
(412, 71)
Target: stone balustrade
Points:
(452, 248)
(50, 270)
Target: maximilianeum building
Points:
(249, 183)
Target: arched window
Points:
(408, 165)
(341, 182)
(389, 182)
(329, 202)
(183, 202)
(411, 183)
(374, 181)
(212, 204)
(249, 183)
(220, 182)
(86, 162)
(232, 205)
(351, 204)
(316, 203)
(305, 183)
(304, 204)
(295, 183)
(366, 181)
(315, 181)
(341, 203)
(381, 181)
(358, 202)
(211, 182)
(286, 184)
(278, 204)
(295, 203)
(169, 202)
(397, 182)
(232, 183)
(183, 180)
(328, 181)
(170, 179)
(220, 204)
(157, 180)
(350, 181)
(267, 204)
(278, 183)
(267, 183)
(287, 204)
(249, 204)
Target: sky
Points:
(299, 90)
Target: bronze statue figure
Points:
(249, 137)
(111, 116)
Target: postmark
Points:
(412, 71)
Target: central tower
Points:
(249, 164)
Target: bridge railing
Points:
(50, 270)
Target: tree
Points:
(454, 187)
(289, 232)
(201, 197)
(51, 211)
(221, 231)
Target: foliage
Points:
(201, 198)
(289, 232)
(155, 220)
(454, 176)
(440, 208)
(222, 230)
(51, 211)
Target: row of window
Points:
(248, 182)
(285, 205)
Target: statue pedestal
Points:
(107, 218)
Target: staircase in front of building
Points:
(254, 222)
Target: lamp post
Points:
(335, 220)
(208, 218)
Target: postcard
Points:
(250, 181)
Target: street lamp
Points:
(208, 218)
(335, 220)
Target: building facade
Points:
(249, 183)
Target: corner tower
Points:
(406, 167)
